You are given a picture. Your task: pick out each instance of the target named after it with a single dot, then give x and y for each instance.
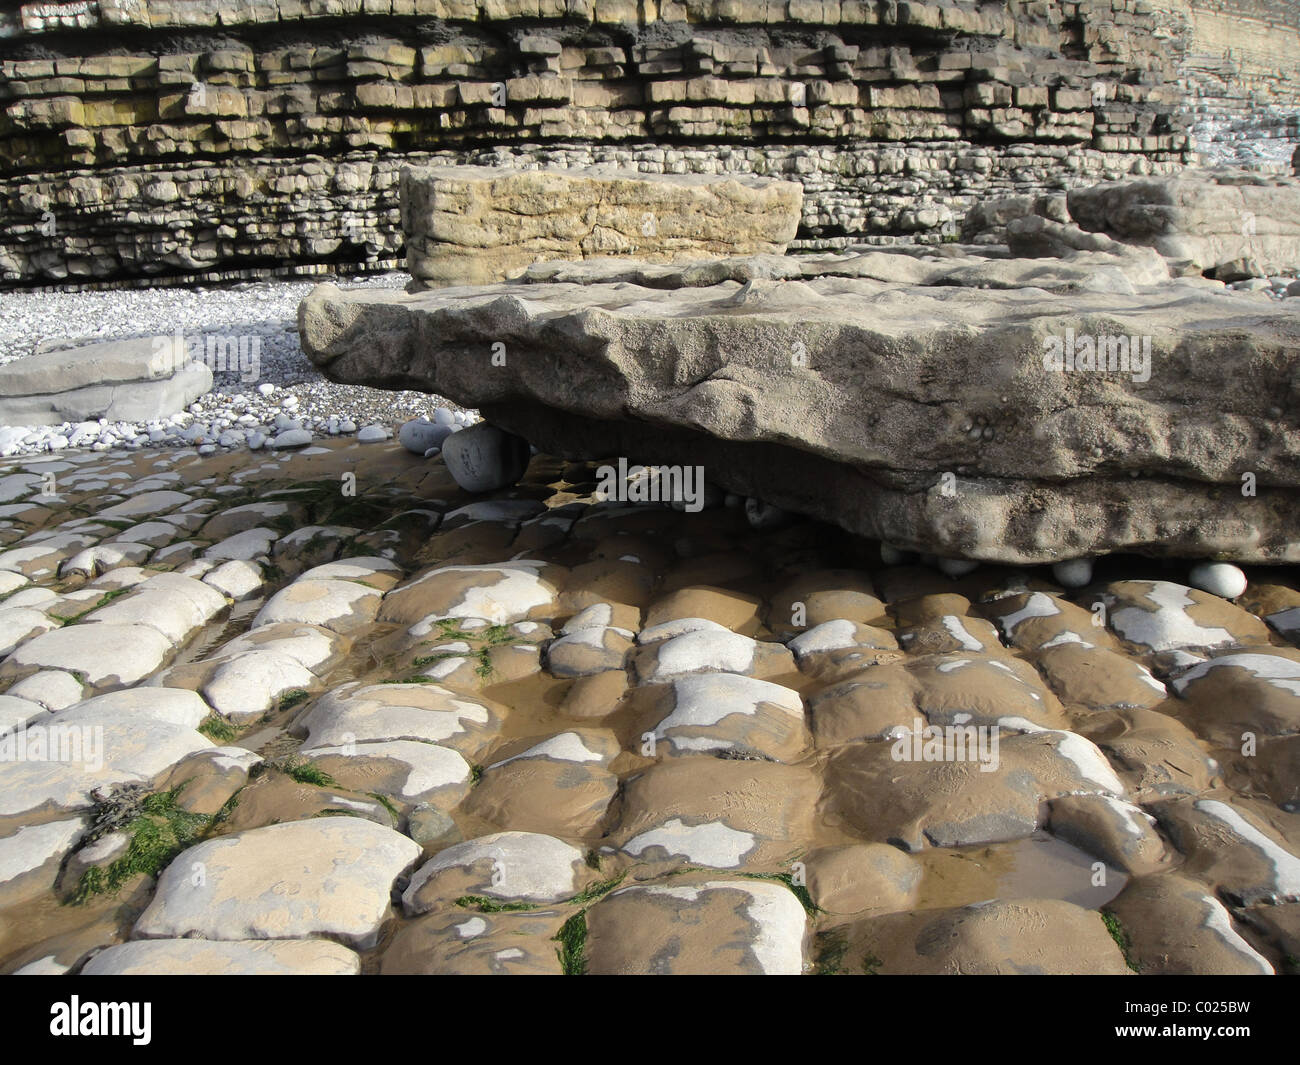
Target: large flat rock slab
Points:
(90, 746)
(932, 415)
(997, 937)
(121, 380)
(200, 957)
(107, 654)
(468, 225)
(694, 926)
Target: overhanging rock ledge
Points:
(901, 396)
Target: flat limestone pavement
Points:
(541, 731)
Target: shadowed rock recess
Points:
(917, 411)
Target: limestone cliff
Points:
(181, 138)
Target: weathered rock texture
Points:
(922, 413)
(473, 225)
(1226, 223)
(125, 380)
(1208, 219)
(175, 138)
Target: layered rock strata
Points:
(153, 140)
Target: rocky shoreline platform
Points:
(913, 610)
(332, 714)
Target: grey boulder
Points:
(483, 458)
(420, 434)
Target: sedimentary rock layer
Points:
(474, 225)
(312, 215)
(267, 136)
(929, 413)
(1240, 62)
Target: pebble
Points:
(420, 435)
(1075, 573)
(292, 438)
(1218, 578)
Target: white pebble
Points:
(1218, 578)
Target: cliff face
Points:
(1241, 70)
(184, 138)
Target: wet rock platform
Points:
(321, 712)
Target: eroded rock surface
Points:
(916, 399)
(545, 732)
(469, 225)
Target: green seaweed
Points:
(217, 728)
(572, 938)
(481, 641)
(159, 831)
(306, 773)
(387, 804)
(800, 891)
(486, 905)
(598, 890)
(1121, 938)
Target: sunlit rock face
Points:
(1015, 410)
